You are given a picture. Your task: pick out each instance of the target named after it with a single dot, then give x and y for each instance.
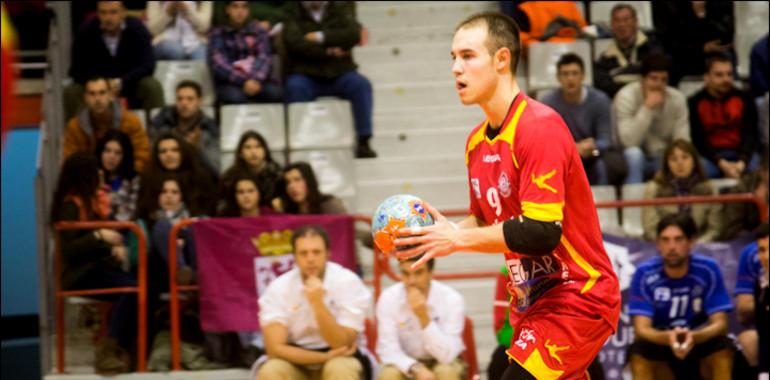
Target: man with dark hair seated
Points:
(187, 119)
(679, 306)
(312, 315)
(117, 47)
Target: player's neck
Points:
(498, 105)
(677, 272)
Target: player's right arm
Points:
(470, 222)
(643, 329)
(277, 347)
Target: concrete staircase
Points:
(420, 129)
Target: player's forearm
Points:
(469, 222)
(653, 335)
(712, 330)
(331, 331)
(482, 239)
(297, 355)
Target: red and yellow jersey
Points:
(532, 168)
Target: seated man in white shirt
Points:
(312, 315)
(419, 327)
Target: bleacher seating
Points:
(323, 124)
(608, 217)
(542, 62)
(750, 24)
(169, 73)
(267, 119)
(599, 45)
(600, 12)
(334, 170)
(632, 216)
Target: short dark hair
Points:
(655, 62)
(683, 220)
(190, 84)
(711, 59)
(97, 78)
(310, 230)
(502, 32)
(762, 232)
(622, 6)
(431, 263)
(570, 58)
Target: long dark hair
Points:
(126, 168)
(148, 202)
(79, 177)
(231, 208)
(662, 177)
(314, 196)
(240, 163)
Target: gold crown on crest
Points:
(273, 243)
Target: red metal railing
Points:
(140, 289)
(382, 267)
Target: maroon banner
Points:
(238, 257)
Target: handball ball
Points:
(396, 212)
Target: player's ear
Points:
(502, 59)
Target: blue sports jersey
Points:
(749, 270)
(685, 302)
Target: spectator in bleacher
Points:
(93, 259)
(269, 13)
(751, 281)
(245, 198)
(743, 216)
(116, 160)
(681, 174)
(420, 325)
(621, 62)
(679, 306)
(173, 155)
(299, 193)
(253, 157)
(586, 111)
(240, 59)
(319, 38)
(649, 115)
(312, 315)
(723, 122)
(759, 75)
(164, 204)
(187, 119)
(553, 21)
(103, 114)
(117, 47)
(179, 28)
(692, 30)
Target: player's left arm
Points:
(716, 326)
(717, 305)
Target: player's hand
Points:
(680, 340)
(252, 87)
(440, 239)
(313, 37)
(110, 236)
(424, 374)
(341, 351)
(654, 99)
(314, 291)
(416, 300)
(120, 253)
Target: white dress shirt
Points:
(401, 341)
(345, 295)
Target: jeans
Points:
(185, 255)
(122, 324)
(596, 172)
(173, 51)
(350, 86)
(713, 171)
(640, 166)
(232, 94)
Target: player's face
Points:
(570, 77)
(719, 78)
(296, 186)
(112, 155)
(674, 247)
(763, 251)
(170, 197)
(169, 154)
(253, 153)
(623, 25)
(680, 163)
(418, 278)
(187, 103)
(310, 255)
(473, 66)
(247, 195)
(98, 96)
(111, 15)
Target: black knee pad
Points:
(516, 372)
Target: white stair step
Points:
(409, 167)
(385, 35)
(423, 70)
(412, 117)
(445, 14)
(402, 52)
(442, 193)
(421, 142)
(415, 94)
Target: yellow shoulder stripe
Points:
(593, 274)
(509, 134)
(475, 140)
(536, 366)
(543, 212)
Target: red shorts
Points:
(554, 341)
